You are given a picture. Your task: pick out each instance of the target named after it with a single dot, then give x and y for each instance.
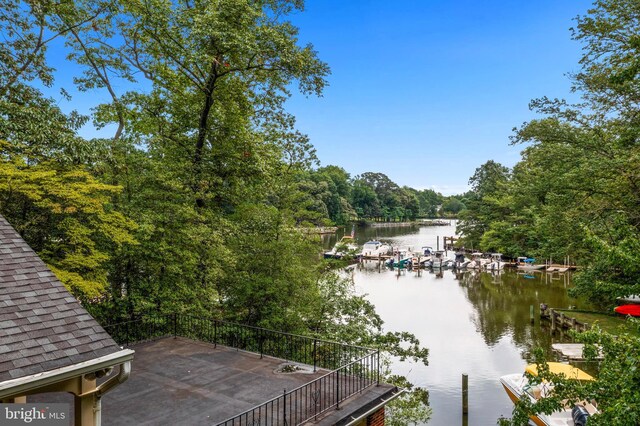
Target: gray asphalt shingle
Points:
(42, 327)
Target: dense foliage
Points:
(336, 197)
(575, 193)
(194, 204)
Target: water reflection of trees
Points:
(502, 306)
(364, 234)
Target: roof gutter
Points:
(23, 385)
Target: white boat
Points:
(375, 248)
(418, 258)
(518, 386)
(425, 254)
(495, 262)
(438, 259)
(633, 299)
(346, 246)
(526, 264)
(401, 257)
(460, 260)
(477, 261)
(426, 251)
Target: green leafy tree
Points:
(488, 181)
(453, 206)
(64, 214)
(365, 200)
(429, 202)
(579, 171)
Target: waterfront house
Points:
(187, 370)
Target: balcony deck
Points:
(178, 381)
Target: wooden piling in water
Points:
(465, 394)
(531, 314)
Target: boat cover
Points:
(560, 368)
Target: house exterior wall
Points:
(376, 419)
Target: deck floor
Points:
(185, 382)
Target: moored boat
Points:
(633, 310)
(518, 387)
(345, 246)
(495, 262)
(477, 261)
(438, 259)
(460, 261)
(375, 248)
(527, 264)
(401, 258)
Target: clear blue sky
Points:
(426, 91)
(423, 91)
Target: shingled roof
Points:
(42, 326)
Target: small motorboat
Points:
(518, 386)
(495, 262)
(402, 258)
(375, 248)
(633, 310)
(460, 261)
(527, 264)
(345, 246)
(438, 260)
(477, 261)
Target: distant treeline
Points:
(332, 195)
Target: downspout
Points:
(123, 375)
(98, 393)
(97, 412)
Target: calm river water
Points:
(473, 323)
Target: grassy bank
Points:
(614, 324)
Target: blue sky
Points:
(423, 91)
(426, 91)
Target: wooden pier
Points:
(572, 351)
(449, 243)
(560, 321)
(320, 230)
(380, 257)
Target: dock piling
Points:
(465, 394)
(531, 314)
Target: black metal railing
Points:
(308, 401)
(353, 368)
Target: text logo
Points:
(41, 414)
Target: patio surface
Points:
(178, 381)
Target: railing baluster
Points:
(354, 368)
(284, 407)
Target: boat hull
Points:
(633, 310)
(518, 388)
(530, 267)
(514, 396)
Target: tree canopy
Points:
(575, 194)
(195, 202)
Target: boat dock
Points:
(559, 321)
(571, 351)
